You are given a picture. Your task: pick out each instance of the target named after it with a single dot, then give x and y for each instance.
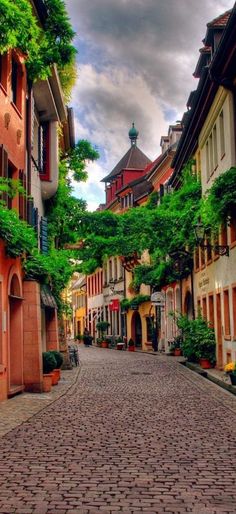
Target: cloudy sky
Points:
(135, 63)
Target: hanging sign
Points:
(114, 305)
(158, 298)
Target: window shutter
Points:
(3, 169)
(21, 197)
(30, 211)
(44, 235)
(162, 191)
(32, 122)
(40, 149)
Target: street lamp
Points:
(200, 234)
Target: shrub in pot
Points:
(131, 345)
(198, 340)
(49, 364)
(102, 326)
(59, 360)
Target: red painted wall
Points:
(12, 119)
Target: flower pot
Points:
(119, 346)
(104, 344)
(57, 373)
(47, 382)
(177, 352)
(205, 363)
(55, 377)
(233, 378)
(131, 348)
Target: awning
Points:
(47, 298)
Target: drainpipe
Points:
(28, 136)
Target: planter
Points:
(57, 372)
(131, 348)
(205, 363)
(55, 377)
(119, 346)
(104, 344)
(177, 352)
(47, 382)
(233, 378)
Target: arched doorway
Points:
(15, 354)
(188, 305)
(136, 328)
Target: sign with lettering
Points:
(158, 298)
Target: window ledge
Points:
(2, 88)
(17, 110)
(227, 338)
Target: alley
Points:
(135, 433)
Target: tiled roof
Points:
(142, 189)
(47, 298)
(133, 159)
(220, 21)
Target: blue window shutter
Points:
(44, 235)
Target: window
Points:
(43, 150)
(110, 270)
(234, 309)
(223, 234)
(3, 70)
(211, 154)
(207, 161)
(16, 83)
(203, 260)
(215, 149)
(211, 310)
(226, 313)
(222, 135)
(204, 308)
(233, 229)
(115, 268)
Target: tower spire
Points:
(133, 135)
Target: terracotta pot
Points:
(205, 363)
(57, 372)
(131, 348)
(47, 382)
(104, 344)
(55, 377)
(177, 352)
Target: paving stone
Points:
(133, 433)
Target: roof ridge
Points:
(219, 18)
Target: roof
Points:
(79, 283)
(133, 159)
(142, 189)
(220, 21)
(47, 298)
(221, 70)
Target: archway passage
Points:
(15, 358)
(136, 329)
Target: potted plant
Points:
(119, 343)
(59, 360)
(79, 337)
(102, 326)
(131, 345)
(176, 345)
(230, 369)
(49, 364)
(198, 343)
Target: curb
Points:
(203, 372)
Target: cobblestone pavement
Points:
(136, 433)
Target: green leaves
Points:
(42, 47)
(18, 235)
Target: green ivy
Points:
(18, 236)
(42, 47)
(219, 204)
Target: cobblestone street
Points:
(135, 433)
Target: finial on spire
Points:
(133, 135)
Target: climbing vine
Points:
(43, 47)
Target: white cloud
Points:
(136, 63)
